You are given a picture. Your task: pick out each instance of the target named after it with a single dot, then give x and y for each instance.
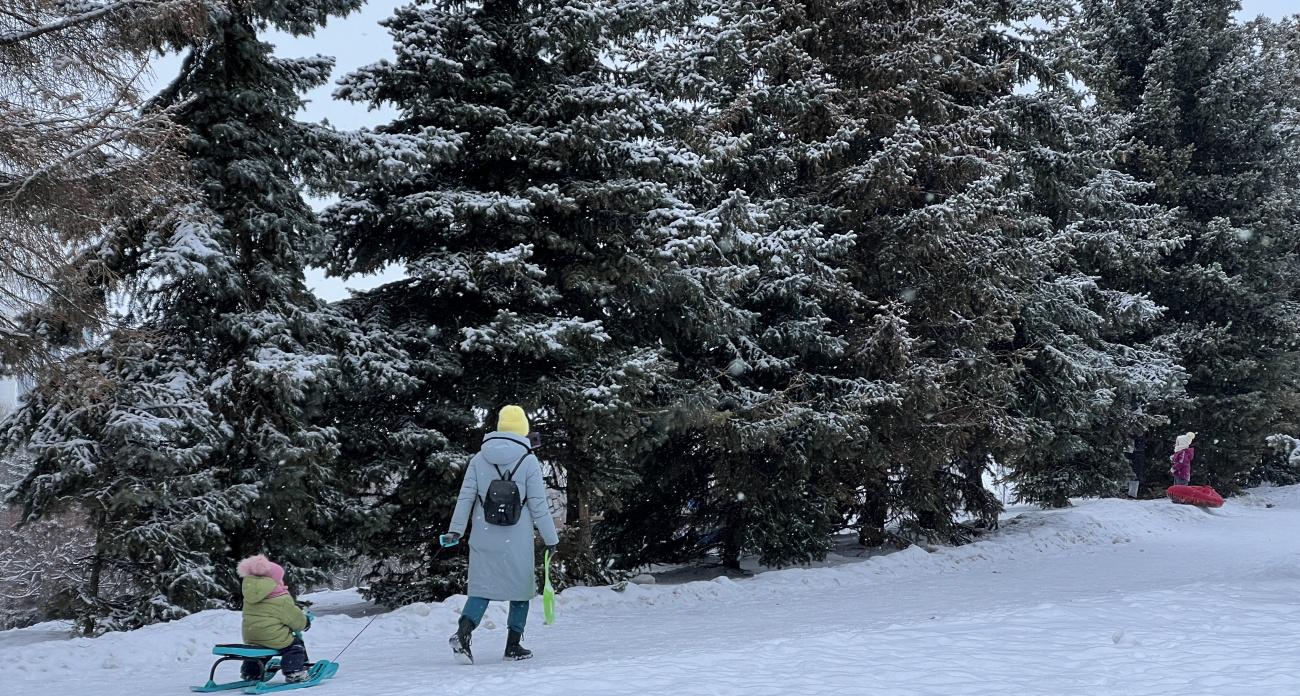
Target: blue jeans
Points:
(476, 606)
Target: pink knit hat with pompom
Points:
(260, 567)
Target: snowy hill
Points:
(1110, 597)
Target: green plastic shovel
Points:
(548, 593)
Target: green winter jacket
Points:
(269, 622)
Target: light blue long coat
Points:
(501, 559)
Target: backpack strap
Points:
(511, 476)
(527, 451)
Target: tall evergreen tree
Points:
(206, 441)
(988, 214)
(941, 249)
(876, 122)
(1209, 107)
(768, 468)
(1098, 363)
(551, 261)
(973, 215)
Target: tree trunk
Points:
(731, 548)
(96, 566)
(875, 512)
(578, 516)
(584, 543)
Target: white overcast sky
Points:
(358, 40)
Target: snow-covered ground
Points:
(1110, 597)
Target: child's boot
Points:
(296, 677)
(252, 670)
(515, 651)
(460, 642)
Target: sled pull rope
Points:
(354, 638)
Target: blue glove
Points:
(449, 539)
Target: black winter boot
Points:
(252, 670)
(460, 642)
(515, 651)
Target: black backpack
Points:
(502, 506)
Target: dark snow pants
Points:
(292, 659)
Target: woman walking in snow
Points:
(1182, 459)
(504, 491)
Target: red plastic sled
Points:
(1204, 496)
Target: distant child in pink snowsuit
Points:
(1182, 459)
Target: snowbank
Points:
(1089, 527)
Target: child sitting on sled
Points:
(271, 619)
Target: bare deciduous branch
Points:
(14, 37)
(79, 157)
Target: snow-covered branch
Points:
(13, 37)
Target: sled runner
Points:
(1201, 496)
(269, 660)
(316, 673)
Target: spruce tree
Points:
(1094, 362)
(1209, 108)
(969, 216)
(767, 468)
(551, 262)
(127, 453)
(880, 129)
(208, 439)
(988, 217)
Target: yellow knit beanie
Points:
(513, 420)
